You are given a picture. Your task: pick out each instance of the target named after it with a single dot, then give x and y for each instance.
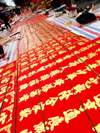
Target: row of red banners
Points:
(57, 83)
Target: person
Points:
(67, 2)
(32, 6)
(55, 3)
(1, 52)
(85, 17)
(17, 10)
(1, 21)
(5, 19)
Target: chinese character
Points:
(37, 107)
(3, 117)
(55, 121)
(24, 69)
(6, 128)
(90, 55)
(62, 51)
(59, 60)
(58, 82)
(43, 60)
(73, 63)
(47, 87)
(25, 113)
(79, 88)
(41, 69)
(89, 105)
(31, 83)
(22, 87)
(22, 77)
(97, 99)
(24, 98)
(70, 114)
(52, 101)
(65, 94)
(98, 61)
(5, 80)
(40, 127)
(31, 60)
(35, 64)
(72, 76)
(97, 128)
(25, 63)
(44, 77)
(33, 93)
(52, 73)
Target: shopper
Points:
(55, 3)
(5, 19)
(1, 52)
